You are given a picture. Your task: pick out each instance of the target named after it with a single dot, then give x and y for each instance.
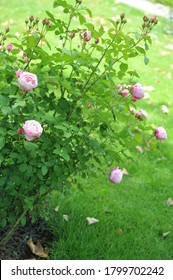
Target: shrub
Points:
(65, 108)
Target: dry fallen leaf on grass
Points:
(139, 149)
(165, 109)
(165, 234)
(65, 218)
(56, 208)
(170, 201)
(91, 220)
(125, 171)
(37, 249)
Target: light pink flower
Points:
(116, 175)
(9, 47)
(32, 130)
(137, 91)
(86, 36)
(142, 113)
(27, 80)
(160, 133)
(125, 92)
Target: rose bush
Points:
(70, 111)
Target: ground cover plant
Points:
(87, 109)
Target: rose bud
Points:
(97, 40)
(20, 131)
(25, 59)
(9, 47)
(160, 133)
(141, 114)
(86, 36)
(31, 18)
(7, 29)
(145, 18)
(125, 92)
(116, 175)
(27, 81)
(72, 35)
(89, 105)
(137, 91)
(32, 130)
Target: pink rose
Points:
(141, 113)
(32, 130)
(137, 91)
(160, 133)
(125, 92)
(9, 47)
(26, 80)
(86, 36)
(116, 175)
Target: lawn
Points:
(135, 221)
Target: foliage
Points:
(85, 119)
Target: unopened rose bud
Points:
(86, 36)
(89, 105)
(125, 92)
(25, 59)
(9, 47)
(4, 37)
(145, 18)
(37, 20)
(117, 21)
(20, 131)
(122, 16)
(7, 29)
(97, 40)
(31, 18)
(26, 21)
(72, 35)
(46, 21)
(79, 1)
(144, 25)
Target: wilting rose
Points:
(32, 130)
(160, 133)
(137, 91)
(86, 36)
(116, 175)
(26, 80)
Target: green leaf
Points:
(146, 60)
(2, 142)
(44, 169)
(123, 67)
(65, 155)
(82, 19)
(140, 50)
(29, 146)
(23, 221)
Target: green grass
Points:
(133, 215)
(164, 2)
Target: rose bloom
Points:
(86, 36)
(32, 130)
(116, 175)
(160, 133)
(142, 113)
(137, 91)
(26, 80)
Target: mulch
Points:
(17, 248)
